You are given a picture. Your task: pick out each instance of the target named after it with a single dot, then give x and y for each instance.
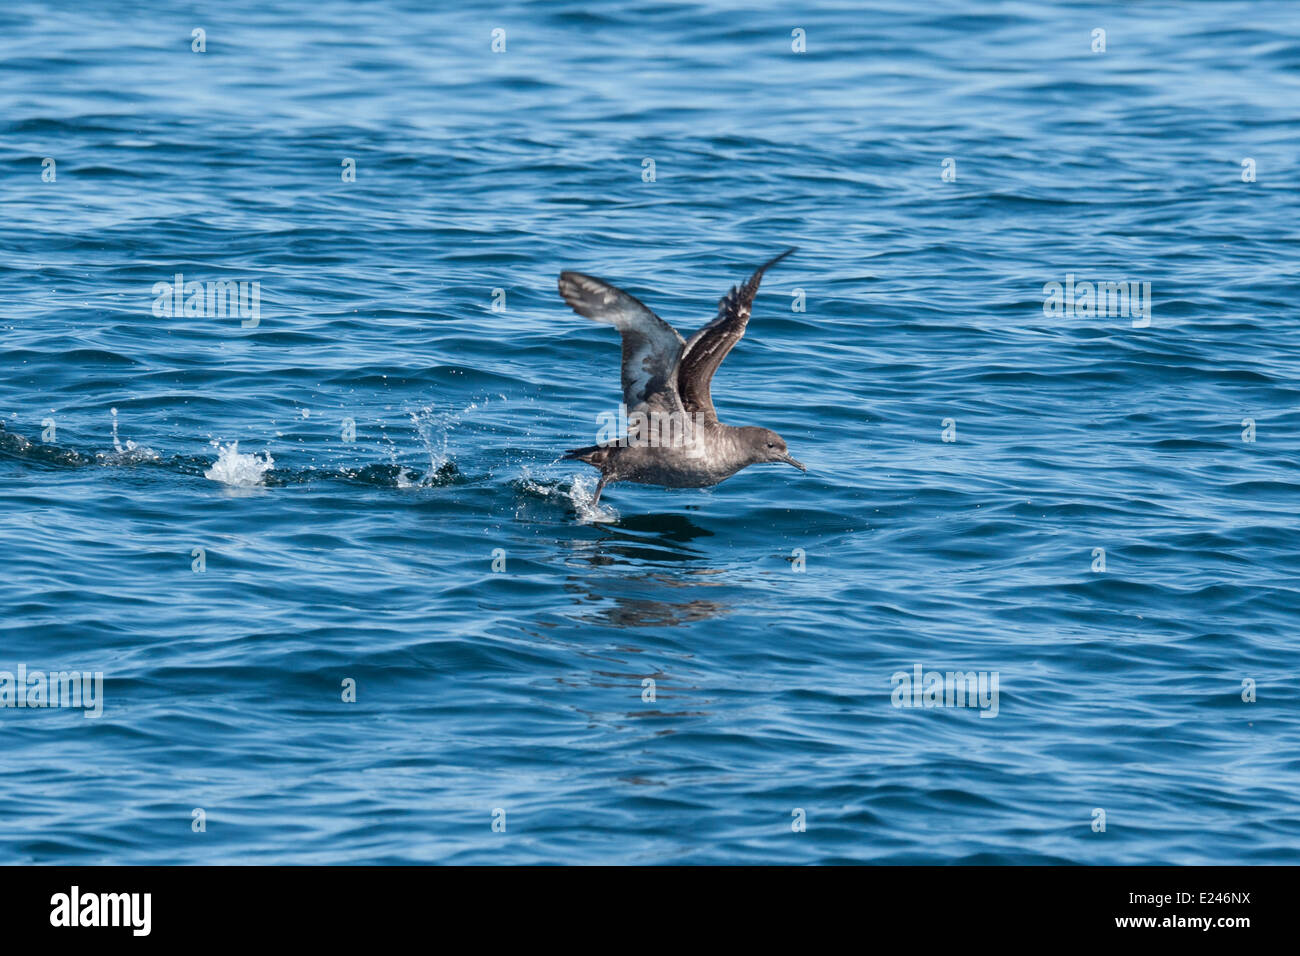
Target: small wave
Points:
(17, 446)
(231, 468)
(134, 455)
(128, 453)
(238, 470)
(399, 476)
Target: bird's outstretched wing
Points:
(651, 347)
(709, 346)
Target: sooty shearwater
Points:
(674, 437)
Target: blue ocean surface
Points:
(350, 606)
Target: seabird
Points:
(678, 441)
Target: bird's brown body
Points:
(679, 442)
(725, 452)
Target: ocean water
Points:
(238, 519)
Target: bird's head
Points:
(766, 445)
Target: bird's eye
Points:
(770, 445)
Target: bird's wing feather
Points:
(651, 347)
(707, 348)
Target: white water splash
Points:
(405, 477)
(580, 495)
(433, 428)
(240, 471)
(128, 453)
(583, 493)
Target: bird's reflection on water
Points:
(644, 572)
(665, 585)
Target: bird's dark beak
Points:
(789, 460)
